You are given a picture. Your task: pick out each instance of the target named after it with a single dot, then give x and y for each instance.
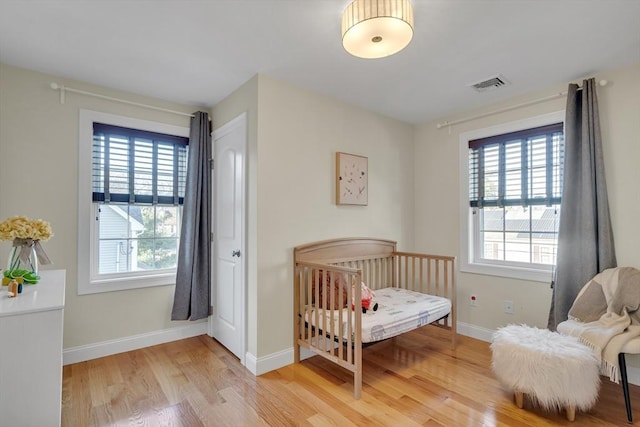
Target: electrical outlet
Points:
(474, 301)
(508, 307)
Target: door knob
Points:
(236, 253)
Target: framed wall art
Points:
(352, 177)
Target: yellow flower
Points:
(21, 227)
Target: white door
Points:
(228, 294)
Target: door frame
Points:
(238, 122)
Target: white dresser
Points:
(31, 353)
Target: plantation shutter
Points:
(134, 166)
(521, 168)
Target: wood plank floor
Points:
(414, 379)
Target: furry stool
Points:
(556, 371)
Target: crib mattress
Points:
(399, 311)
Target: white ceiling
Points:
(198, 52)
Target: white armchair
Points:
(606, 316)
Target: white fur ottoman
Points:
(556, 371)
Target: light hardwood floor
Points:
(413, 379)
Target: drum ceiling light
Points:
(377, 28)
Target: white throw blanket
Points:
(605, 316)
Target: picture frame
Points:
(352, 179)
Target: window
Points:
(132, 182)
(138, 186)
(512, 199)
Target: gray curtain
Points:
(585, 237)
(193, 279)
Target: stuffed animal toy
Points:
(366, 296)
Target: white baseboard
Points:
(273, 361)
(251, 363)
(133, 342)
(473, 331)
(305, 354)
(633, 375)
(262, 365)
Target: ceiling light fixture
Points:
(377, 28)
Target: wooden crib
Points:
(321, 322)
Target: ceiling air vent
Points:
(490, 84)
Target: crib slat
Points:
(429, 279)
(306, 304)
(437, 278)
(392, 272)
(321, 316)
(366, 271)
(350, 313)
(340, 331)
(422, 275)
(413, 273)
(357, 362)
(332, 286)
(297, 326)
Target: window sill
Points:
(125, 283)
(530, 274)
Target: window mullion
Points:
(154, 173)
(153, 241)
(481, 177)
(132, 167)
(504, 233)
(127, 253)
(530, 235)
(176, 175)
(549, 169)
(524, 175)
(107, 167)
(502, 173)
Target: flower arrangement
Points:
(26, 252)
(21, 227)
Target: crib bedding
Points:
(399, 311)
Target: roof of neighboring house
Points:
(543, 227)
(135, 215)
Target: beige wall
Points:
(437, 205)
(291, 155)
(299, 133)
(39, 179)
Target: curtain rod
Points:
(512, 107)
(63, 89)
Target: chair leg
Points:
(519, 399)
(625, 386)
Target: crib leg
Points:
(296, 352)
(357, 384)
